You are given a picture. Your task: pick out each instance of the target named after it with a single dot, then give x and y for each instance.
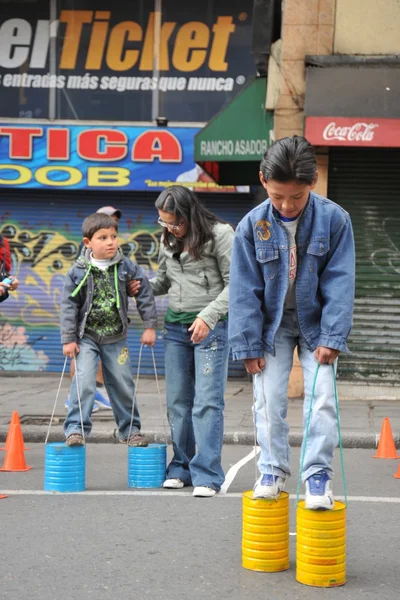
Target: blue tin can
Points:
(64, 468)
(147, 466)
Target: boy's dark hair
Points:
(97, 221)
(290, 159)
(183, 203)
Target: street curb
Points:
(37, 434)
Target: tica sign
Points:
(71, 156)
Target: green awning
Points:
(231, 145)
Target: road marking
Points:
(167, 493)
(231, 474)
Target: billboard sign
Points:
(37, 155)
(105, 62)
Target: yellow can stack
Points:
(265, 535)
(321, 546)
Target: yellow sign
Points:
(122, 46)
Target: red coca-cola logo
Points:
(359, 132)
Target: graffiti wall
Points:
(42, 253)
(44, 232)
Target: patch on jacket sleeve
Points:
(263, 230)
(123, 356)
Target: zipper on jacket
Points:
(180, 287)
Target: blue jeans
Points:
(117, 379)
(195, 384)
(271, 402)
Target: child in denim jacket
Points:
(292, 284)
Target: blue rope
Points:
(303, 449)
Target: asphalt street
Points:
(112, 542)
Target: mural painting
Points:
(29, 319)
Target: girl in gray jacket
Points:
(194, 272)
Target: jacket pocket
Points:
(316, 252)
(268, 258)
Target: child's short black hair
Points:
(290, 159)
(97, 221)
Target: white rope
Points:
(267, 423)
(255, 432)
(55, 402)
(79, 398)
(58, 393)
(159, 397)
(136, 387)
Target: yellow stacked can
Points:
(265, 535)
(321, 546)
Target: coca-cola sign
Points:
(348, 131)
(357, 132)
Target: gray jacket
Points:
(78, 292)
(198, 285)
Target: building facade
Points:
(99, 105)
(339, 83)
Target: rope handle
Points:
(303, 450)
(158, 393)
(57, 395)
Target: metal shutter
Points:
(44, 231)
(366, 183)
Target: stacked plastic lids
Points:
(64, 468)
(321, 546)
(147, 466)
(265, 535)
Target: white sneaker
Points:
(202, 491)
(319, 494)
(268, 486)
(173, 484)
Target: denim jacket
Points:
(325, 279)
(78, 293)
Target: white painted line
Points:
(166, 494)
(231, 474)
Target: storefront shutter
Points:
(44, 231)
(366, 183)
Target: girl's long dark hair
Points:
(184, 204)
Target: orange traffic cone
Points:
(397, 475)
(14, 421)
(386, 446)
(3, 496)
(15, 458)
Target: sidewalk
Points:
(362, 409)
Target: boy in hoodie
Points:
(94, 323)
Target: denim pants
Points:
(271, 402)
(195, 384)
(117, 379)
